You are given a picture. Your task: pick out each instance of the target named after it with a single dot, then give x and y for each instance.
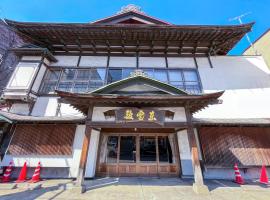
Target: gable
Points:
(131, 14)
(139, 85)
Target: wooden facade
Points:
(42, 139)
(246, 146)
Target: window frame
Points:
(74, 81)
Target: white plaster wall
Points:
(181, 62)
(245, 103)
(184, 152)
(20, 108)
(246, 81)
(66, 61)
(32, 160)
(92, 154)
(234, 72)
(122, 61)
(150, 62)
(77, 149)
(93, 61)
(45, 106)
(226, 173)
(53, 161)
(67, 110)
(179, 114)
(31, 58)
(22, 76)
(39, 78)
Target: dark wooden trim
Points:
(105, 124)
(210, 62)
(79, 60)
(195, 61)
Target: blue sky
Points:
(174, 11)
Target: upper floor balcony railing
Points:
(88, 79)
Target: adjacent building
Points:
(261, 46)
(132, 95)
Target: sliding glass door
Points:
(138, 155)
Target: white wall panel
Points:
(246, 81)
(92, 154)
(77, 149)
(31, 58)
(174, 62)
(122, 62)
(93, 61)
(22, 75)
(66, 61)
(39, 78)
(20, 108)
(184, 152)
(67, 110)
(45, 106)
(150, 62)
(235, 72)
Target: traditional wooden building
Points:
(132, 95)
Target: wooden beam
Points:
(85, 147)
(198, 185)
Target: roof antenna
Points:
(239, 18)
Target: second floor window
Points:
(86, 80)
(73, 80)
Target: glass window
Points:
(147, 149)
(164, 149)
(190, 75)
(149, 72)
(114, 75)
(175, 75)
(98, 74)
(161, 75)
(175, 78)
(127, 149)
(80, 87)
(50, 81)
(83, 75)
(126, 72)
(112, 148)
(52, 75)
(49, 87)
(65, 86)
(68, 74)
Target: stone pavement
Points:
(136, 188)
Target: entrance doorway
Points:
(138, 154)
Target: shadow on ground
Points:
(28, 194)
(148, 181)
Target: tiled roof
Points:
(14, 118)
(233, 121)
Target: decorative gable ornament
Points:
(129, 8)
(138, 72)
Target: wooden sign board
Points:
(140, 115)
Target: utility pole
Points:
(239, 18)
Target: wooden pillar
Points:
(198, 185)
(85, 147)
